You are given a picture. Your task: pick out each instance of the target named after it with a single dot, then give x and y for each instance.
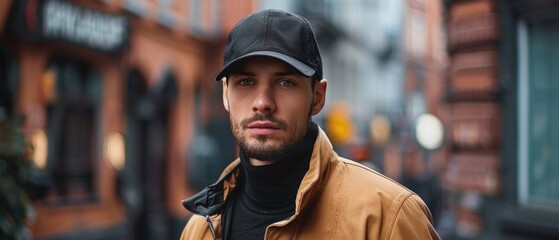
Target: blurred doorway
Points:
(148, 110)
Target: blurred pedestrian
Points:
(288, 183)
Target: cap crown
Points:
(274, 33)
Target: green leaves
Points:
(12, 140)
(17, 170)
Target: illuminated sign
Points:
(61, 21)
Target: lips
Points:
(262, 127)
(263, 124)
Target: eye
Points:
(286, 83)
(245, 82)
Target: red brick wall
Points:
(152, 49)
(475, 118)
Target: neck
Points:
(274, 184)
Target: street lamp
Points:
(429, 132)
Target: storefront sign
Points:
(61, 21)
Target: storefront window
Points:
(538, 113)
(72, 124)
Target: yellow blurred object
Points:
(115, 150)
(380, 130)
(40, 148)
(339, 125)
(48, 89)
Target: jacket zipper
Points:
(211, 226)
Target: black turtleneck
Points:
(266, 194)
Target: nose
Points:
(264, 101)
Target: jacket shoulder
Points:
(402, 212)
(364, 177)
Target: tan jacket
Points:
(338, 199)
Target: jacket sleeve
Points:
(413, 221)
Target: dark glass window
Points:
(8, 83)
(72, 126)
(538, 101)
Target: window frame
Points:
(90, 191)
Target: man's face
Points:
(270, 106)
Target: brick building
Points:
(423, 92)
(112, 93)
(501, 89)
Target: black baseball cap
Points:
(274, 33)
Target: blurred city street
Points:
(110, 114)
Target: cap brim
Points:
(301, 67)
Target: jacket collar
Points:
(319, 168)
(211, 199)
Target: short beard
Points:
(259, 150)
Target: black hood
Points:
(209, 201)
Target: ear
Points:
(225, 98)
(319, 96)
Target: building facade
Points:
(362, 47)
(420, 166)
(501, 87)
(113, 93)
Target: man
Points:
(288, 183)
